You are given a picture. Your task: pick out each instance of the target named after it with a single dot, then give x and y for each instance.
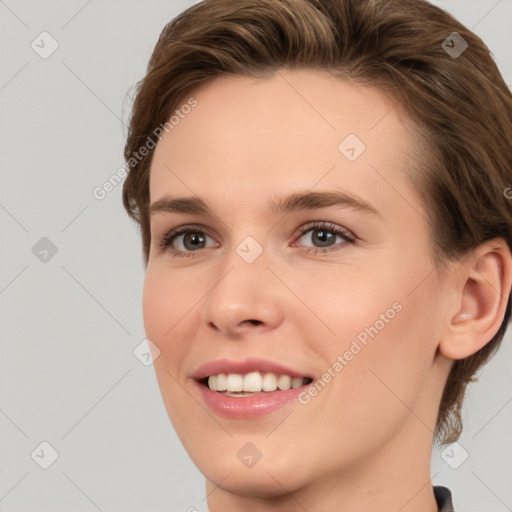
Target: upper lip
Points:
(242, 367)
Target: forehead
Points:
(246, 136)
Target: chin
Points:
(266, 478)
(249, 482)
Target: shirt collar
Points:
(443, 497)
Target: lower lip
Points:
(253, 406)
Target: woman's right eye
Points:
(189, 240)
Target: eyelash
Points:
(169, 237)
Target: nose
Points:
(247, 297)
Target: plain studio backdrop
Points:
(76, 394)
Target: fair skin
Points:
(364, 442)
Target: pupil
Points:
(194, 238)
(324, 236)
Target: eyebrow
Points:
(295, 202)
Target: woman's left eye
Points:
(193, 239)
(325, 234)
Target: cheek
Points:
(154, 304)
(166, 300)
(347, 302)
(389, 305)
(385, 334)
(397, 348)
(166, 305)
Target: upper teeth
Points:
(253, 382)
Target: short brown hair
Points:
(460, 105)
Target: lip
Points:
(247, 407)
(254, 406)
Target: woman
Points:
(321, 192)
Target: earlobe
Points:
(487, 280)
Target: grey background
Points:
(69, 325)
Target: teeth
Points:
(222, 382)
(297, 382)
(269, 382)
(284, 382)
(253, 382)
(235, 382)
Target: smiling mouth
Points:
(252, 383)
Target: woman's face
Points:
(341, 293)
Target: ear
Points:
(482, 295)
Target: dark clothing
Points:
(443, 498)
